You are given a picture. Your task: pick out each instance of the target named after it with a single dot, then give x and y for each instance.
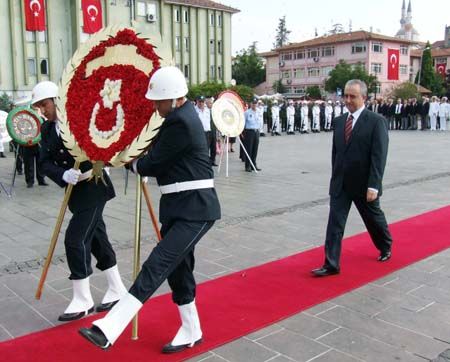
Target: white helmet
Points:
(44, 90)
(275, 102)
(167, 83)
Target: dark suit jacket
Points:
(179, 154)
(360, 164)
(55, 160)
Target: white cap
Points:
(166, 83)
(44, 90)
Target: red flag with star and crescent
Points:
(441, 68)
(393, 64)
(92, 16)
(34, 15)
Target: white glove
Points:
(71, 176)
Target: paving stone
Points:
(244, 350)
(335, 356)
(307, 325)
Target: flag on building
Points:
(92, 16)
(34, 15)
(441, 68)
(393, 64)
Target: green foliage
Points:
(314, 92)
(428, 76)
(248, 68)
(279, 87)
(6, 103)
(282, 33)
(405, 90)
(344, 72)
(213, 89)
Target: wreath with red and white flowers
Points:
(103, 113)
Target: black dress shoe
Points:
(324, 271)
(248, 169)
(168, 348)
(258, 169)
(214, 164)
(43, 183)
(29, 186)
(385, 256)
(20, 172)
(67, 317)
(105, 306)
(95, 336)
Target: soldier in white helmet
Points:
(290, 114)
(433, 112)
(275, 118)
(444, 110)
(86, 232)
(304, 117)
(188, 208)
(316, 117)
(328, 115)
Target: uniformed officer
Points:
(275, 110)
(188, 208)
(290, 113)
(328, 115)
(86, 232)
(316, 117)
(251, 135)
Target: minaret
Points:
(409, 14)
(402, 20)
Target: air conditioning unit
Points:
(289, 81)
(151, 13)
(316, 59)
(281, 64)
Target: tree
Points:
(344, 72)
(279, 87)
(428, 76)
(213, 89)
(6, 103)
(405, 90)
(282, 33)
(248, 68)
(314, 92)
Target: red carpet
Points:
(240, 303)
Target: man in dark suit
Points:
(86, 232)
(188, 208)
(360, 145)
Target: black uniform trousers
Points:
(172, 259)
(211, 144)
(86, 234)
(31, 162)
(373, 218)
(251, 143)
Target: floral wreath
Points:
(24, 126)
(103, 114)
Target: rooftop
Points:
(208, 4)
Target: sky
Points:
(257, 20)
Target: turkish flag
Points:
(92, 16)
(440, 68)
(393, 64)
(34, 15)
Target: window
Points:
(219, 46)
(44, 66)
(328, 51)
(313, 72)
(211, 19)
(177, 43)
(141, 8)
(31, 66)
(186, 70)
(375, 68)
(286, 74)
(186, 44)
(212, 71)
(176, 15)
(298, 90)
(440, 61)
(219, 20)
(212, 46)
(313, 53)
(219, 71)
(286, 56)
(404, 49)
(377, 47)
(378, 88)
(301, 54)
(358, 48)
(186, 16)
(299, 73)
(30, 36)
(326, 71)
(403, 69)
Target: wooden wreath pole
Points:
(51, 249)
(150, 210)
(137, 246)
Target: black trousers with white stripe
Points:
(86, 234)
(172, 259)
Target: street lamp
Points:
(420, 64)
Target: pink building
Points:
(308, 63)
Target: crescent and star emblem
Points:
(38, 4)
(94, 8)
(393, 60)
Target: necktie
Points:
(348, 128)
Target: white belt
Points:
(187, 185)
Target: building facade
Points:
(198, 32)
(305, 64)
